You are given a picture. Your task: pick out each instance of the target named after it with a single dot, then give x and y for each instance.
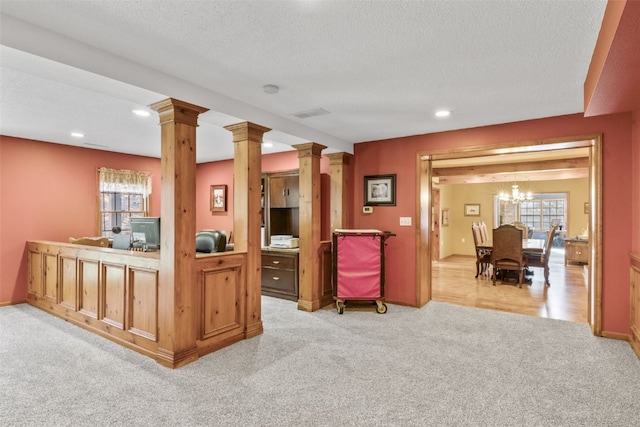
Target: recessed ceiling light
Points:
(267, 144)
(141, 113)
(310, 113)
(270, 89)
(443, 113)
(77, 134)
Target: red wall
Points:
(208, 174)
(399, 156)
(48, 192)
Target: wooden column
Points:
(310, 283)
(340, 185)
(177, 295)
(247, 169)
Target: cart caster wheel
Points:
(381, 308)
(340, 306)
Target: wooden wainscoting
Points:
(110, 292)
(566, 298)
(634, 339)
(222, 315)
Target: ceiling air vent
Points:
(311, 113)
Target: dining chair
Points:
(484, 233)
(522, 226)
(483, 256)
(507, 254)
(542, 261)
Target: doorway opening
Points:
(508, 159)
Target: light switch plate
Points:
(405, 220)
(367, 209)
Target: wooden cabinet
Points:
(283, 191)
(576, 250)
(282, 217)
(280, 273)
(281, 212)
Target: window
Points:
(540, 212)
(123, 194)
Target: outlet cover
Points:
(405, 220)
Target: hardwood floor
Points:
(566, 298)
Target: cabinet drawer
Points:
(279, 280)
(278, 261)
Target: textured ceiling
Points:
(380, 68)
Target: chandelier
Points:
(516, 195)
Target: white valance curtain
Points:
(125, 181)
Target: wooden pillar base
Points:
(174, 360)
(305, 305)
(253, 330)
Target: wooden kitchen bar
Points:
(115, 293)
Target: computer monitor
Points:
(145, 232)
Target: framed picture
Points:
(445, 217)
(471, 210)
(380, 190)
(218, 198)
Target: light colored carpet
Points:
(441, 365)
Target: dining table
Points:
(529, 246)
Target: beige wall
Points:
(446, 233)
(457, 239)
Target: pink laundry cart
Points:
(358, 267)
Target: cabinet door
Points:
(577, 252)
(293, 194)
(263, 201)
(582, 252)
(283, 192)
(277, 191)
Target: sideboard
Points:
(576, 250)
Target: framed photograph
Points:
(380, 190)
(445, 217)
(218, 198)
(471, 210)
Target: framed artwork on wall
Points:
(471, 209)
(380, 190)
(218, 198)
